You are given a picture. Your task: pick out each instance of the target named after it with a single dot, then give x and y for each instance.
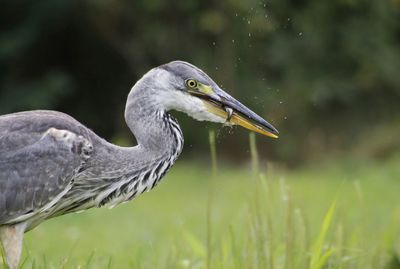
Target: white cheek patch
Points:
(184, 102)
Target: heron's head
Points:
(184, 87)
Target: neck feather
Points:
(155, 130)
(160, 142)
(121, 173)
(157, 153)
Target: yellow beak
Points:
(243, 117)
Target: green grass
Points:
(342, 214)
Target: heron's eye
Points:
(191, 83)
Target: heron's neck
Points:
(127, 172)
(122, 173)
(157, 133)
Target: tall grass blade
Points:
(3, 260)
(213, 152)
(109, 263)
(317, 258)
(196, 246)
(254, 154)
(235, 248)
(22, 264)
(44, 262)
(324, 258)
(213, 155)
(259, 225)
(289, 234)
(89, 260)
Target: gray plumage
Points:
(50, 164)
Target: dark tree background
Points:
(325, 73)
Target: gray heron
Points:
(50, 164)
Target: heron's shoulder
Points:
(20, 129)
(38, 121)
(37, 115)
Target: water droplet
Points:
(213, 43)
(249, 34)
(280, 102)
(236, 15)
(266, 16)
(288, 19)
(285, 118)
(233, 40)
(248, 22)
(301, 33)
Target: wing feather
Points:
(33, 176)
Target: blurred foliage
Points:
(325, 73)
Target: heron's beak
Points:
(225, 106)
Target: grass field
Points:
(344, 214)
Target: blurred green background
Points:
(325, 73)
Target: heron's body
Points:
(42, 177)
(51, 164)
